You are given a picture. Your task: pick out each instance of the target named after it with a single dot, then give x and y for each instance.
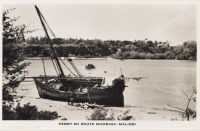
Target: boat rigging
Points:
(77, 88)
(75, 68)
(49, 41)
(69, 82)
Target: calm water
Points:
(166, 78)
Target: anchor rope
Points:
(28, 84)
(27, 91)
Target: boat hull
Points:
(107, 97)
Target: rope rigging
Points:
(28, 90)
(75, 68)
(44, 68)
(28, 84)
(47, 30)
(48, 27)
(55, 67)
(49, 40)
(67, 67)
(29, 24)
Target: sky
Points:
(175, 23)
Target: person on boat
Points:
(70, 98)
(71, 101)
(81, 88)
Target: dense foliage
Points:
(138, 49)
(13, 70)
(13, 64)
(26, 112)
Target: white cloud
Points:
(181, 28)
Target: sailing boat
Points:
(77, 88)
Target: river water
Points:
(164, 85)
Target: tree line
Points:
(138, 49)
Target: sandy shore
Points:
(69, 112)
(77, 113)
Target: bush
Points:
(125, 116)
(101, 114)
(26, 112)
(8, 113)
(7, 95)
(47, 115)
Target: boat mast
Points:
(51, 45)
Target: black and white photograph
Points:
(115, 63)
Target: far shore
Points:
(63, 58)
(95, 58)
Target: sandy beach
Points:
(69, 112)
(77, 113)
